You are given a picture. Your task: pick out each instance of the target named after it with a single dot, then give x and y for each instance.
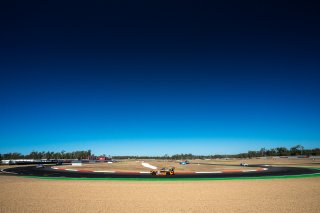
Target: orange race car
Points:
(163, 172)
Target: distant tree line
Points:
(263, 152)
(281, 151)
(49, 155)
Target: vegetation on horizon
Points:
(263, 152)
(48, 155)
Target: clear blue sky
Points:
(121, 80)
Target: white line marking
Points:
(148, 166)
(74, 170)
(249, 170)
(145, 172)
(208, 172)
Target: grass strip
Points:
(181, 179)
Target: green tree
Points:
(282, 151)
(299, 147)
(294, 150)
(263, 152)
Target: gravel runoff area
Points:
(276, 195)
(137, 165)
(196, 165)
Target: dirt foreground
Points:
(276, 195)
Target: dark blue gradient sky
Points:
(159, 77)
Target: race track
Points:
(253, 171)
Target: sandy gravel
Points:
(137, 166)
(278, 195)
(269, 161)
(220, 164)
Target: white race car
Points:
(244, 164)
(39, 166)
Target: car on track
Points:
(244, 164)
(163, 172)
(184, 162)
(39, 166)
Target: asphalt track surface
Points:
(49, 172)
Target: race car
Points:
(244, 164)
(184, 162)
(163, 172)
(39, 166)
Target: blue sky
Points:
(139, 81)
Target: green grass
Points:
(181, 179)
